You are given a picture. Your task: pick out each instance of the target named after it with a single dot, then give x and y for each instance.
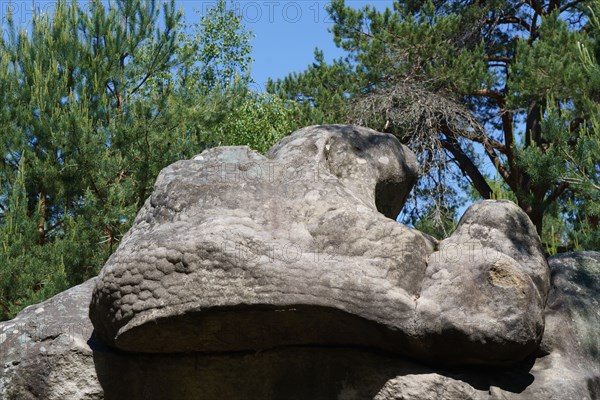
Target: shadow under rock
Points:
(513, 379)
(290, 373)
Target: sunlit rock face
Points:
(235, 251)
(49, 352)
(286, 277)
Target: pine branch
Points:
(507, 130)
(467, 166)
(498, 165)
(558, 191)
(510, 20)
(572, 4)
(536, 6)
(150, 72)
(499, 59)
(4, 306)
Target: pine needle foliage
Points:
(501, 89)
(94, 102)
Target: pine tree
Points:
(502, 88)
(94, 103)
(321, 90)
(78, 140)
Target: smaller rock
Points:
(428, 387)
(485, 289)
(568, 366)
(44, 352)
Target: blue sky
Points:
(286, 32)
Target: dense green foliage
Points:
(500, 99)
(502, 96)
(93, 104)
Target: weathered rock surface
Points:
(47, 353)
(44, 352)
(284, 277)
(235, 251)
(430, 386)
(238, 252)
(568, 366)
(487, 283)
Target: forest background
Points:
(499, 99)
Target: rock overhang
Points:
(232, 241)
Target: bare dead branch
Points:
(431, 124)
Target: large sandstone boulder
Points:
(237, 252)
(286, 277)
(48, 352)
(568, 363)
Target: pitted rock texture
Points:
(49, 352)
(492, 264)
(235, 251)
(232, 229)
(44, 352)
(568, 363)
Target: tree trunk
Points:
(534, 212)
(467, 166)
(537, 217)
(42, 221)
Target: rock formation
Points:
(48, 353)
(234, 251)
(45, 351)
(286, 277)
